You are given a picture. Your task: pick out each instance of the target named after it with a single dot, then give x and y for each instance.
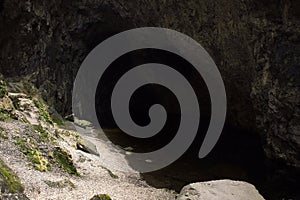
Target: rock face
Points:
(220, 190)
(255, 45)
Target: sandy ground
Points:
(95, 178)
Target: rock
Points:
(30, 109)
(82, 123)
(70, 118)
(6, 104)
(16, 96)
(64, 159)
(101, 197)
(87, 146)
(25, 109)
(10, 185)
(220, 190)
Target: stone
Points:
(87, 146)
(101, 197)
(220, 190)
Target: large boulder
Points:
(220, 190)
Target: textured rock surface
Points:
(255, 44)
(220, 190)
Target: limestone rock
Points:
(220, 190)
(87, 146)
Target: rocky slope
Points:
(39, 160)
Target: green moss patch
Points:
(3, 134)
(10, 179)
(4, 115)
(110, 173)
(3, 89)
(44, 134)
(64, 159)
(56, 118)
(101, 197)
(39, 162)
(28, 148)
(43, 111)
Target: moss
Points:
(43, 133)
(70, 133)
(3, 89)
(64, 159)
(43, 111)
(10, 179)
(58, 120)
(4, 115)
(3, 133)
(101, 197)
(38, 161)
(110, 173)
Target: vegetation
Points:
(39, 162)
(57, 119)
(64, 159)
(3, 89)
(6, 108)
(3, 133)
(110, 173)
(43, 111)
(10, 179)
(4, 115)
(101, 197)
(44, 134)
(29, 149)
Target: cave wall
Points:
(255, 44)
